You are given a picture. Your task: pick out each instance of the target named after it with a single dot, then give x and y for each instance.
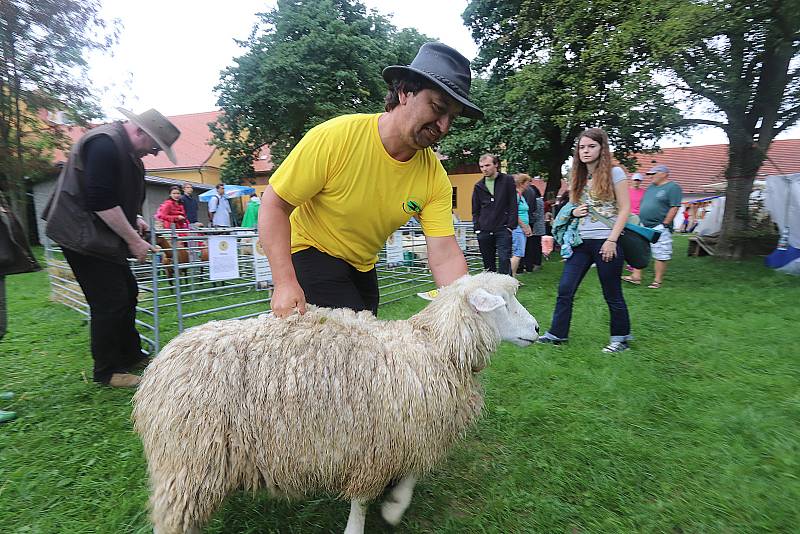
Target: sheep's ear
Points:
(483, 301)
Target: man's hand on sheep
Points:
(286, 298)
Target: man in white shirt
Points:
(219, 208)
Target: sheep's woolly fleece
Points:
(332, 401)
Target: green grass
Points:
(694, 430)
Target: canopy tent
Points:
(231, 191)
(782, 200)
(699, 200)
(711, 223)
(720, 187)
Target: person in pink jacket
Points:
(171, 211)
(636, 192)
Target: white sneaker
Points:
(616, 346)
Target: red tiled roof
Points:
(695, 166)
(192, 149)
(263, 163)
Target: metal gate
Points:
(179, 288)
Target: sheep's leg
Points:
(178, 506)
(398, 500)
(358, 515)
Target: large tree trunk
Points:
(554, 175)
(3, 309)
(744, 160)
(559, 151)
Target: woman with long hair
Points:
(171, 211)
(598, 196)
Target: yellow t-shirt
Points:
(351, 194)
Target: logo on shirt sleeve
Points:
(412, 207)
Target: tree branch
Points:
(696, 86)
(792, 116)
(703, 122)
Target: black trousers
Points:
(333, 283)
(533, 253)
(111, 292)
(495, 248)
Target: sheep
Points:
(330, 401)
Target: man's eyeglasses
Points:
(650, 173)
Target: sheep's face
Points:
(507, 315)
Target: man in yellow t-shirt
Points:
(353, 180)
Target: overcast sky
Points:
(171, 52)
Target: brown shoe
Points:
(124, 380)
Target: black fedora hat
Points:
(446, 68)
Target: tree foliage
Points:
(740, 59)
(498, 133)
(578, 64)
(42, 67)
(563, 66)
(307, 61)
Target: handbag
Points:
(15, 253)
(635, 241)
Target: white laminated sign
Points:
(261, 267)
(223, 257)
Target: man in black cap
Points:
(353, 180)
(94, 215)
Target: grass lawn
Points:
(694, 430)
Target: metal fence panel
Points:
(176, 290)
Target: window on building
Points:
(455, 197)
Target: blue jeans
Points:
(496, 245)
(576, 267)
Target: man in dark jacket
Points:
(93, 216)
(190, 205)
(494, 214)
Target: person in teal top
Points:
(660, 204)
(661, 200)
(523, 229)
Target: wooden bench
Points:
(699, 246)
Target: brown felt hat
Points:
(157, 126)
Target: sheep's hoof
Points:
(392, 512)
